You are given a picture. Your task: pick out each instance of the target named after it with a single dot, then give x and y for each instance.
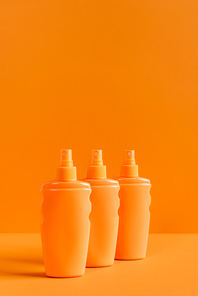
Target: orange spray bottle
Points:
(65, 227)
(133, 212)
(104, 214)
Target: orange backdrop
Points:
(111, 75)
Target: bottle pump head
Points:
(66, 171)
(129, 168)
(96, 170)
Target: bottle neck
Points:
(66, 174)
(96, 172)
(129, 171)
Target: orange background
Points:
(109, 75)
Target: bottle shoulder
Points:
(65, 185)
(101, 182)
(132, 180)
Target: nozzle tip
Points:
(129, 157)
(97, 157)
(66, 158)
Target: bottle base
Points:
(98, 265)
(129, 259)
(63, 276)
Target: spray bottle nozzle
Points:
(97, 158)
(129, 168)
(96, 170)
(66, 158)
(129, 157)
(66, 171)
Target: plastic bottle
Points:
(134, 212)
(65, 227)
(104, 214)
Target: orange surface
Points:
(170, 268)
(110, 75)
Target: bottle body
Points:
(65, 227)
(134, 218)
(104, 222)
